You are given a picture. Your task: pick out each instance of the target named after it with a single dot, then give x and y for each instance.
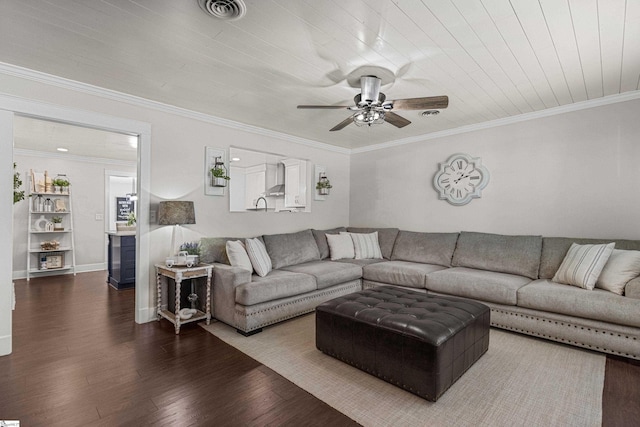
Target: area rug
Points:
(520, 381)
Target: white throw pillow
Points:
(583, 264)
(259, 257)
(237, 255)
(621, 267)
(340, 246)
(366, 246)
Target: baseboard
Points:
(145, 315)
(5, 345)
(85, 268)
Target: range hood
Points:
(277, 189)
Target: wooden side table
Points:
(178, 274)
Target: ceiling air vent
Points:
(228, 10)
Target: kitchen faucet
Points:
(265, 203)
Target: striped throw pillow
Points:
(258, 255)
(583, 264)
(366, 246)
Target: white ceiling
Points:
(493, 58)
(48, 137)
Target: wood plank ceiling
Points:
(493, 58)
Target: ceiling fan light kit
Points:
(371, 106)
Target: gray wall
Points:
(573, 174)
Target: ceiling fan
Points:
(371, 106)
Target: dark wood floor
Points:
(79, 359)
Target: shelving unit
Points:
(55, 260)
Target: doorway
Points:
(12, 106)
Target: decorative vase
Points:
(58, 226)
(324, 191)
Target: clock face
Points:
(460, 179)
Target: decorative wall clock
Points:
(460, 179)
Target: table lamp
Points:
(176, 213)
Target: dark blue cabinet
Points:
(122, 261)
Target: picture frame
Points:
(210, 155)
(53, 260)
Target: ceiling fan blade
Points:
(426, 103)
(342, 124)
(326, 107)
(396, 120)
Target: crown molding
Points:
(583, 105)
(72, 157)
(40, 77)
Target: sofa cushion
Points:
(518, 255)
(214, 249)
(340, 246)
(321, 240)
(360, 262)
(598, 304)
(292, 248)
(622, 267)
(277, 284)
(328, 273)
(554, 250)
(491, 286)
(386, 238)
(582, 265)
(428, 248)
(401, 273)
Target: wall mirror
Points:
(267, 182)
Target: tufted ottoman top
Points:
(429, 318)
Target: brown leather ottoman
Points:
(420, 342)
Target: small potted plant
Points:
(219, 175)
(324, 185)
(130, 225)
(63, 186)
(131, 219)
(57, 223)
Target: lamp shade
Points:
(175, 212)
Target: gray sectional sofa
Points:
(510, 274)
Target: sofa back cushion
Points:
(496, 252)
(321, 240)
(291, 249)
(214, 249)
(386, 238)
(427, 248)
(554, 250)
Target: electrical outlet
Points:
(153, 216)
(99, 217)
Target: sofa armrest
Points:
(225, 281)
(632, 288)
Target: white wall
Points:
(88, 188)
(177, 163)
(575, 174)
